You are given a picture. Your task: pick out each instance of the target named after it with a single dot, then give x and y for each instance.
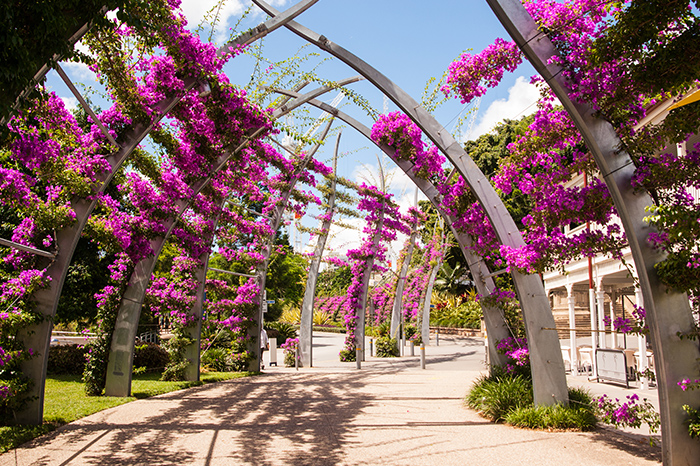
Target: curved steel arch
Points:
(130, 310)
(495, 323)
(37, 336)
(548, 376)
(307, 304)
(119, 368)
(668, 312)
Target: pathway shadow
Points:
(244, 421)
(634, 444)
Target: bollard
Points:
(371, 348)
(296, 357)
(412, 348)
(358, 357)
(437, 337)
(422, 356)
(273, 352)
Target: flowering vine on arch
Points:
(383, 221)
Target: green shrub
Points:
(581, 398)
(495, 397)
(151, 356)
(465, 315)
(410, 331)
(174, 371)
(552, 417)
(66, 359)
(216, 359)
(348, 355)
(289, 359)
(508, 397)
(387, 347)
(177, 362)
(240, 360)
(693, 421)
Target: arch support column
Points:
(667, 312)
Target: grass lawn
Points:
(65, 401)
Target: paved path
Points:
(391, 412)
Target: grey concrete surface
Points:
(389, 412)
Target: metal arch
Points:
(193, 351)
(268, 26)
(37, 337)
(307, 305)
(668, 312)
(304, 98)
(267, 250)
(119, 366)
(495, 323)
(396, 320)
(548, 376)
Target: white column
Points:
(613, 299)
(644, 382)
(572, 327)
(600, 300)
(594, 327)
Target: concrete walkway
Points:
(390, 412)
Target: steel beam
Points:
(307, 305)
(668, 312)
(548, 376)
(496, 324)
(37, 337)
(25, 248)
(268, 26)
(425, 315)
(396, 317)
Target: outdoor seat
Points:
(631, 363)
(585, 358)
(566, 356)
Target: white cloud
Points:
(195, 10)
(79, 72)
(397, 182)
(71, 103)
(521, 99)
(229, 12)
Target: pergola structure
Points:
(549, 380)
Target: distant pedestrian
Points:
(264, 346)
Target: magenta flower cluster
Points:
(398, 131)
(470, 75)
(383, 221)
(629, 413)
(516, 351)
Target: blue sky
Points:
(408, 41)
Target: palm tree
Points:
(453, 281)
